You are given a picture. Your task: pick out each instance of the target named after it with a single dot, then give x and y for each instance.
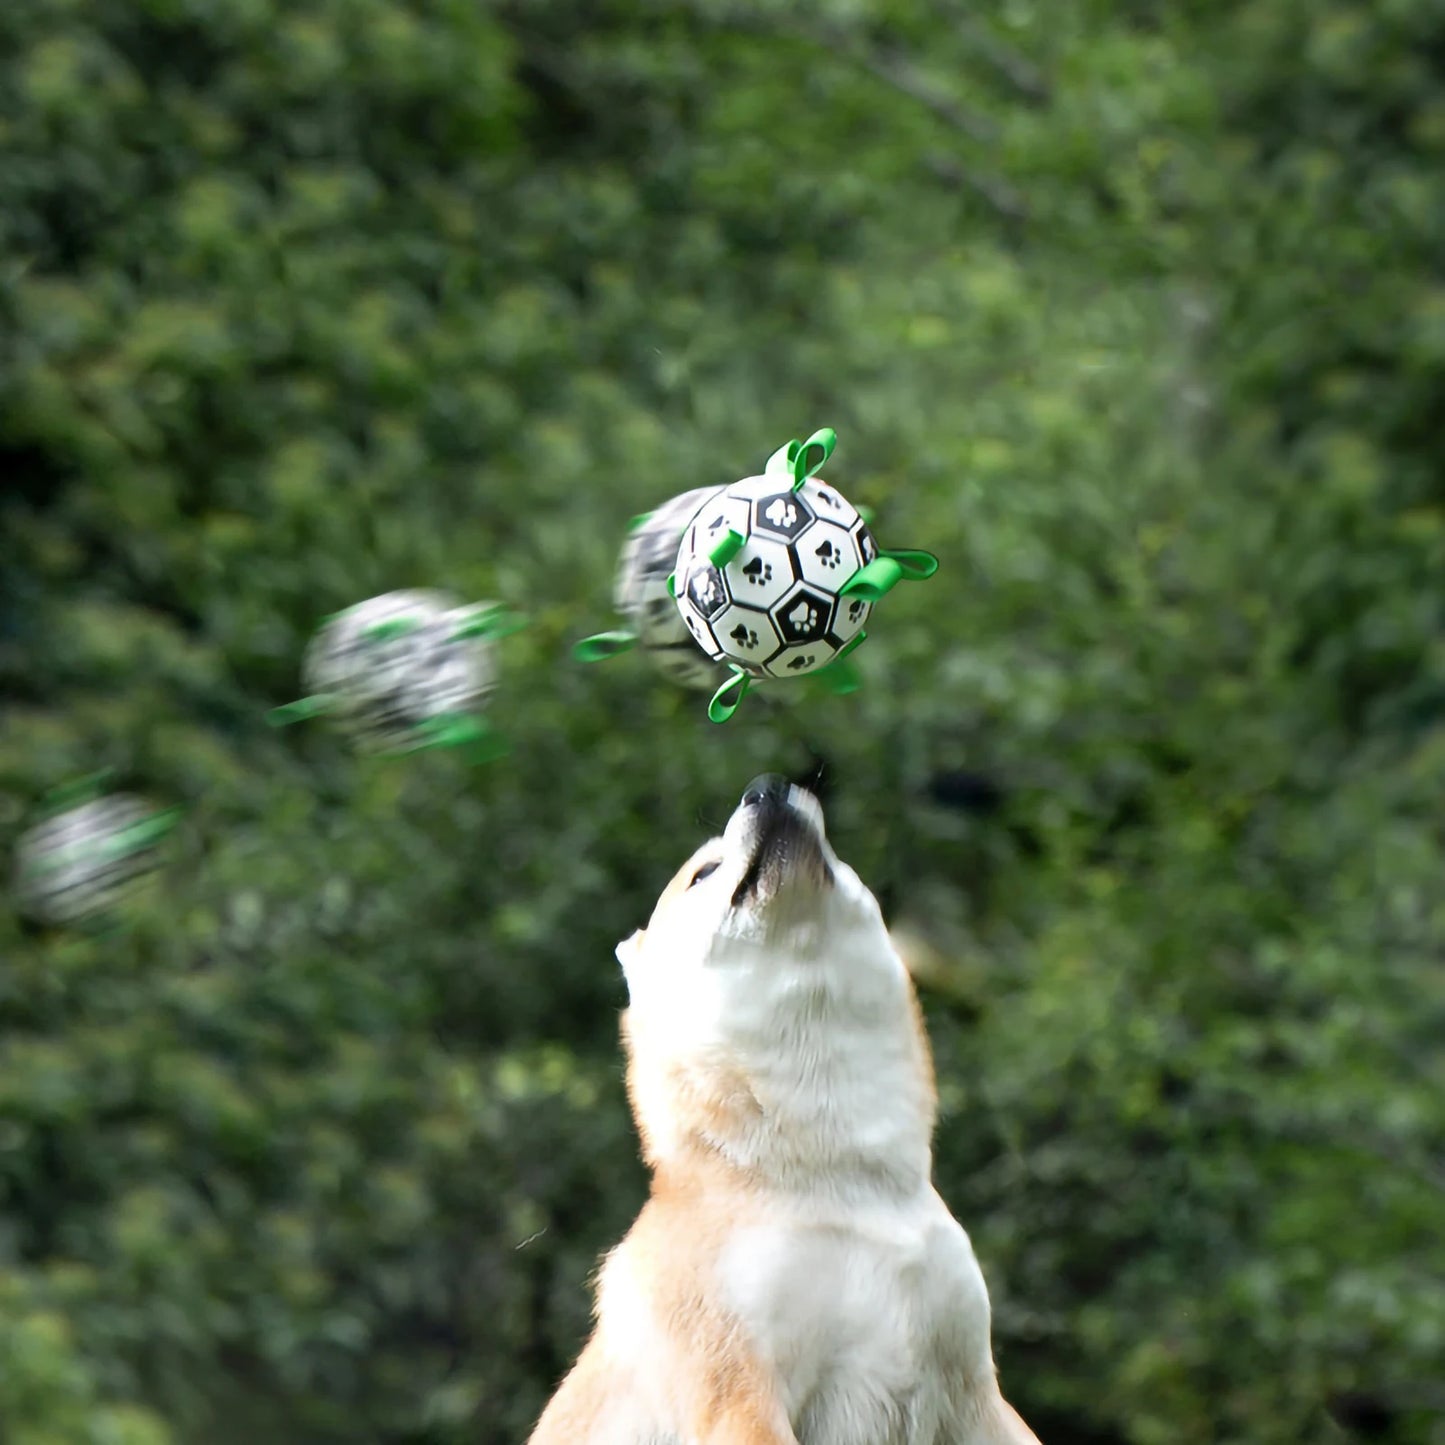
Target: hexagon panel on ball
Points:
(762, 573)
(704, 590)
(749, 633)
(828, 556)
(831, 506)
(723, 512)
(781, 513)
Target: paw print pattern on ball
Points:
(795, 555)
(706, 592)
(762, 573)
(782, 514)
(827, 555)
(828, 504)
(805, 615)
(749, 632)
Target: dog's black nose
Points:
(768, 788)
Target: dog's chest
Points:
(874, 1320)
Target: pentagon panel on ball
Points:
(640, 595)
(776, 575)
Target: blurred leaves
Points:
(1134, 319)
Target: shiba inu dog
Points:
(794, 1278)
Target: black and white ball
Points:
(76, 866)
(774, 608)
(640, 593)
(390, 665)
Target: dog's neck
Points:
(794, 1072)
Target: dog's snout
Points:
(767, 788)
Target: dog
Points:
(794, 1277)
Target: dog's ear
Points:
(629, 948)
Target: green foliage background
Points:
(1134, 314)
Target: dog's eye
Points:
(705, 871)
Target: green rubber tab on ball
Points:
(602, 645)
(727, 699)
(493, 622)
(86, 789)
(875, 581)
(299, 711)
(853, 643)
(144, 832)
(726, 548)
(812, 454)
(447, 730)
(782, 459)
(915, 566)
(396, 627)
(487, 747)
(640, 521)
(672, 584)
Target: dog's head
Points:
(765, 958)
(770, 882)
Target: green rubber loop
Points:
(782, 459)
(915, 566)
(602, 645)
(640, 521)
(728, 698)
(822, 442)
(875, 581)
(456, 730)
(672, 584)
(726, 548)
(852, 643)
(299, 711)
(495, 622)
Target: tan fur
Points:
(671, 1361)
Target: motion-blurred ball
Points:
(392, 667)
(774, 608)
(640, 593)
(76, 867)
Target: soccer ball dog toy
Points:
(640, 594)
(405, 671)
(77, 864)
(777, 574)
